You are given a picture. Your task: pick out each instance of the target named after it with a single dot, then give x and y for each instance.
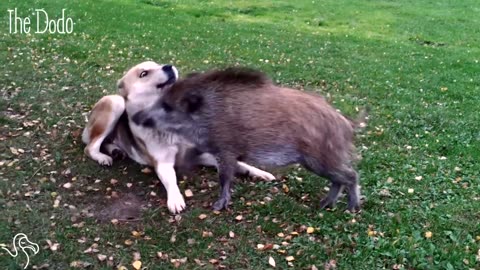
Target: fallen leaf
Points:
(271, 261)
(80, 264)
(146, 170)
(137, 265)
(101, 257)
(290, 258)
(428, 234)
(53, 246)
(231, 234)
(188, 193)
(137, 234)
(202, 216)
(128, 242)
(310, 230)
(239, 218)
(67, 185)
(207, 234)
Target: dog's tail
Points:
(360, 122)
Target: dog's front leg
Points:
(166, 172)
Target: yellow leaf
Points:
(128, 242)
(136, 234)
(428, 234)
(188, 193)
(137, 265)
(290, 258)
(310, 230)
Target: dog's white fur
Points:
(106, 129)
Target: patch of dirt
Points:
(128, 207)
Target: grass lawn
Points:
(414, 63)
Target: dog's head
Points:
(147, 77)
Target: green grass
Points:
(415, 63)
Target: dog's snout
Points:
(167, 68)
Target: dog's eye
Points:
(143, 74)
(166, 107)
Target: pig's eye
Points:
(143, 74)
(166, 107)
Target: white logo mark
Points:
(21, 240)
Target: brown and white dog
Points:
(110, 131)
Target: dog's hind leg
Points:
(207, 159)
(101, 122)
(244, 168)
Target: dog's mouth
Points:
(170, 80)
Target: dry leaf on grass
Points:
(271, 261)
(188, 193)
(137, 265)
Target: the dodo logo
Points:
(21, 243)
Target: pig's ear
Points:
(193, 103)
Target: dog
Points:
(111, 133)
(239, 114)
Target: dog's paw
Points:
(176, 203)
(260, 174)
(103, 159)
(263, 175)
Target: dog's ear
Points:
(193, 103)
(121, 88)
(120, 84)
